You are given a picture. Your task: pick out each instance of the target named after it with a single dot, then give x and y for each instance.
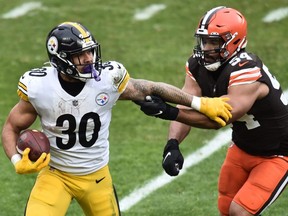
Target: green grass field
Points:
(154, 49)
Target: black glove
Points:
(173, 160)
(155, 106)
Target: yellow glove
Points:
(24, 165)
(214, 108)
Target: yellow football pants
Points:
(54, 190)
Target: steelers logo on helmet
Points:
(71, 39)
(52, 45)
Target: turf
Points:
(154, 49)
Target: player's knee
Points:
(224, 204)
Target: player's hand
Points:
(155, 106)
(216, 109)
(25, 165)
(173, 160)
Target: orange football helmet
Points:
(226, 26)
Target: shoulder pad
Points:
(22, 86)
(118, 73)
(28, 77)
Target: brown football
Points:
(36, 140)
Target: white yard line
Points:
(276, 15)
(212, 146)
(149, 11)
(22, 10)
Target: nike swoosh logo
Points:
(243, 63)
(99, 180)
(167, 155)
(159, 113)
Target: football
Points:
(36, 140)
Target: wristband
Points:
(15, 158)
(196, 103)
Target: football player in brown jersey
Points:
(254, 172)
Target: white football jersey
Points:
(77, 127)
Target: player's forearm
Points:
(138, 89)
(196, 119)
(178, 131)
(171, 94)
(9, 137)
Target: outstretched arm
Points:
(215, 108)
(137, 89)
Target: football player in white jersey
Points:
(73, 97)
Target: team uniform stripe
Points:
(84, 33)
(190, 75)
(276, 193)
(22, 91)
(123, 82)
(206, 19)
(244, 76)
(22, 86)
(188, 72)
(22, 95)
